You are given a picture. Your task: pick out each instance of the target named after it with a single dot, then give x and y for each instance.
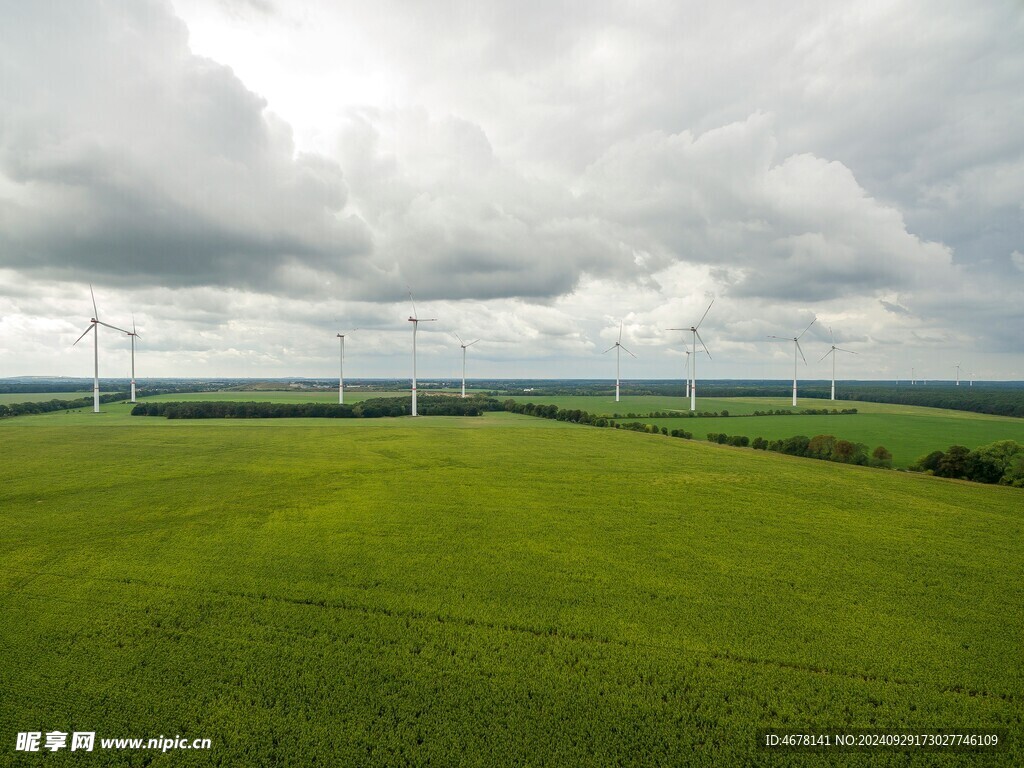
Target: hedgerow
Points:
(48, 406)
(999, 463)
(380, 407)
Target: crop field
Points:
(442, 590)
(907, 431)
(276, 396)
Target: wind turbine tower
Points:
(134, 334)
(464, 346)
(416, 320)
(832, 352)
(796, 348)
(341, 365)
(617, 346)
(691, 383)
(94, 324)
(688, 353)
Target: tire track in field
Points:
(540, 632)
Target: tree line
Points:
(1001, 463)
(379, 407)
(48, 406)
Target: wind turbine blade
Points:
(474, 341)
(826, 354)
(620, 331)
(703, 344)
(850, 351)
(627, 351)
(807, 328)
(133, 324)
(613, 346)
(833, 338)
(413, 302)
(704, 315)
(95, 312)
(91, 326)
(777, 337)
(797, 342)
(113, 327)
(459, 338)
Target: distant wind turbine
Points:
(415, 320)
(796, 348)
(957, 374)
(341, 365)
(832, 352)
(617, 346)
(134, 334)
(692, 381)
(464, 346)
(95, 322)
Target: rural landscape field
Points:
(572, 384)
(501, 587)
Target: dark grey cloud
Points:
(126, 158)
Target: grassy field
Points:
(35, 397)
(439, 591)
(907, 431)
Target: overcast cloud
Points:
(247, 178)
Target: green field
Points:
(36, 397)
(909, 432)
(450, 591)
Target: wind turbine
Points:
(95, 322)
(341, 366)
(464, 345)
(415, 326)
(796, 348)
(832, 352)
(617, 346)
(957, 374)
(134, 334)
(692, 383)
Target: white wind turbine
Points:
(415, 326)
(134, 334)
(464, 346)
(832, 352)
(796, 348)
(957, 366)
(341, 365)
(617, 346)
(691, 383)
(95, 322)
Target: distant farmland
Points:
(301, 593)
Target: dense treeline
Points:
(1001, 462)
(433, 405)
(999, 402)
(822, 447)
(48, 406)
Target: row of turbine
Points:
(691, 357)
(94, 324)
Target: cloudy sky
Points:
(248, 178)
